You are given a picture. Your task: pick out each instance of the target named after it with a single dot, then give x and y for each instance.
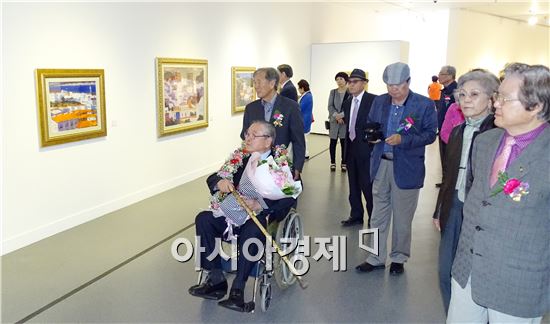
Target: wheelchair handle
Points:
(252, 214)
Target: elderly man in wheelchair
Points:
(258, 146)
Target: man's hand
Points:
(395, 139)
(436, 224)
(253, 204)
(296, 175)
(225, 186)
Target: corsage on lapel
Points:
(278, 119)
(511, 187)
(405, 125)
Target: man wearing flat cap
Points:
(408, 122)
(356, 111)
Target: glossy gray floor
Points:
(119, 267)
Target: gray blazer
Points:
(505, 245)
(335, 108)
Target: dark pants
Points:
(209, 228)
(358, 165)
(442, 147)
(332, 149)
(447, 249)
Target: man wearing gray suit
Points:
(501, 271)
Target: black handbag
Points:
(327, 124)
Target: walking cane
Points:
(252, 215)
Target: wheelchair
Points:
(288, 231)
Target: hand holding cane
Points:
(252, 215)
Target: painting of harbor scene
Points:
(71, 105)
(182, 91)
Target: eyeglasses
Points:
(473, 95)
(441, 73)
(354, 81)
(502, 100)
(255, 136)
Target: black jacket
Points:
(452, 156)
(289, 91)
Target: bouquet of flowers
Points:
(272, 177)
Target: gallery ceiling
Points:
(515, 10)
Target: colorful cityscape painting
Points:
(71, 105)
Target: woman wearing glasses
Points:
(475, 93)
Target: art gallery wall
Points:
(48, 190)
(491, 42)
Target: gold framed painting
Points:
(242, 88)
(71, 105)
(182, 95)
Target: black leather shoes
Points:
(352, 221)
(209, 291)
(367, 267)
(396, 268)
(236, 302)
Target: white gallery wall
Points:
(477, 40)
(47, 190)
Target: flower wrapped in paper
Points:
(269, 178)
(272, 176)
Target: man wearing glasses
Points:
(447, 76)
(281, 112)
(259, 138)
(501, 271)
(356, 111)
(408, 122)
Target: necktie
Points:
(353, 119)
(267, 111)
(502, 159)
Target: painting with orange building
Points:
(72, 106)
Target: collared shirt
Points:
(472, 126)
(394, 119)
(268, 107)
(522, 141)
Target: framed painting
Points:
(182, 95)
(242, 88)
(71, 105)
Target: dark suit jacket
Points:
(277, 210)
(361, 148)
(292, 130)
(289, 91)
(408, 157)
(504, 244)
(453, 154)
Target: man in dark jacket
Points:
(287, 87)
(356, 112)
(447, 76)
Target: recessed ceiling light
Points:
(532, 21)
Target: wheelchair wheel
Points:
(265, 295)
(290, 228)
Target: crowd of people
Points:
(493, 206)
